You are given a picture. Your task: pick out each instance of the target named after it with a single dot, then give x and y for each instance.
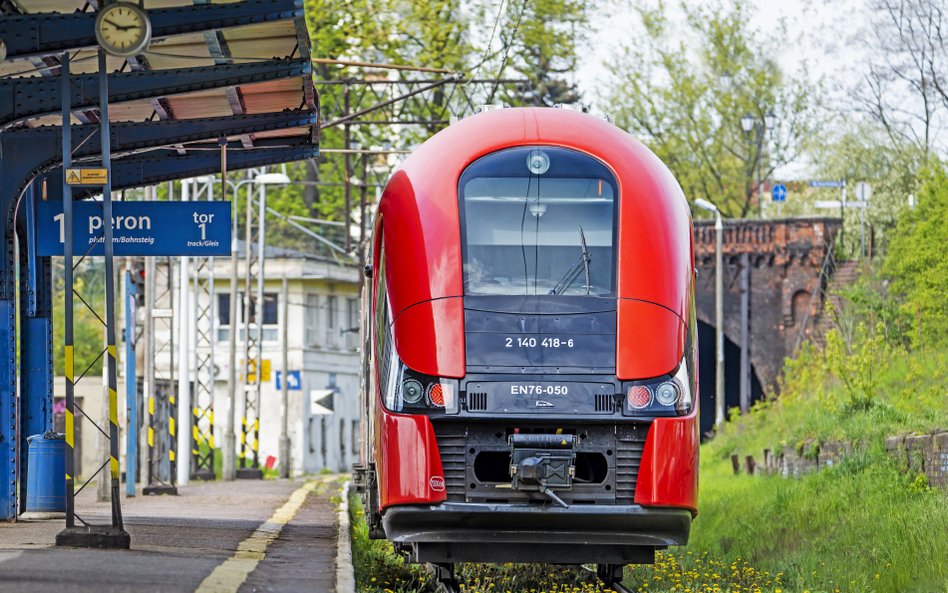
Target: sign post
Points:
(841, 203)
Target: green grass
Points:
(861, 525)
(866, 524)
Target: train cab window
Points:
(538, 220)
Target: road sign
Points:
(87, 176)
(863, 191)
(321, 401)
(138, 228)
(837, 204)
(266, 374)
(295, 382)
(779, 192)
(827, 184)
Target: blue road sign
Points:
(138, 228)
(779, 192)
(294, 384)
(827, 183)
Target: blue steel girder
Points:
(22, 98)
(36, 338)
(19, 166)
(40, 34)
(167, 164)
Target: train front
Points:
(533, 340)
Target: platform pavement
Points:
(214, 537)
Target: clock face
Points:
(122, 29)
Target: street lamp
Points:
(747, 123)
(718, 309)
(750, 123)
(229, 465)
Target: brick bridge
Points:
(774, 275)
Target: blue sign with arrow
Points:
(295, 382)
(779, 192)
(138, 228)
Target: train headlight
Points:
(667, 393)
(538, 162)
(412, 391)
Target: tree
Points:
(685, 98)
(905, 86)
(863, 152)
(539, 42)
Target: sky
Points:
(824, 35)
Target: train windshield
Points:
(538, 221)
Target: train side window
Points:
(383, 340)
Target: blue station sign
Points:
(138, 228)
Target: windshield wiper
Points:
(573, 271)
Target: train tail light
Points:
(638, 397)
(670, 395)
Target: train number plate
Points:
(540, 397)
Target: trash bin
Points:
(46, 473)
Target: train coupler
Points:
(543, 463)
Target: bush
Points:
(917, 265)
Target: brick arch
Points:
(784, 259)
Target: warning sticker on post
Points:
(87, 176)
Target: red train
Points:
(530, 348)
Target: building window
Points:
(332, 328)
(352, 324)
(270, 317)
(311, 320)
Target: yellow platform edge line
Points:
(231, 574)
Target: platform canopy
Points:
(257, 68)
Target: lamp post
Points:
(229, 465)
(718, 310)
(750, 123)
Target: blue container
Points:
(46, 473)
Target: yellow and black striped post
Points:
(68, 298)
(97, 536)
(243, 441)
(111, 361)
(151, 436)
(172, 435)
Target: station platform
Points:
(213, 537)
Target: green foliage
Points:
(857, 362)
(864, 153)
(542, 40)
(916, 263)
(684, 95)
(88, 331)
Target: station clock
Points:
(123, 29)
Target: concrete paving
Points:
(177, 541)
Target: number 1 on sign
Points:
(203, 226)
(61, 219)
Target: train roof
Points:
(419, 213)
